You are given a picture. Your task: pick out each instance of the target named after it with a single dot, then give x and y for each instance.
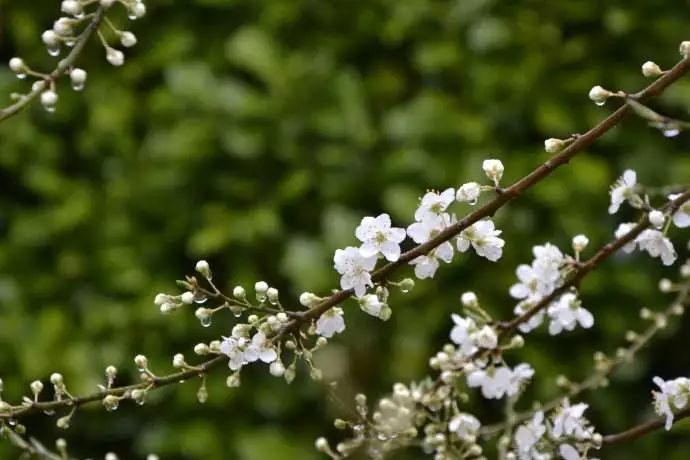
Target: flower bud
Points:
(665, 285)
(56, 379)
(187, 297)
(580, 242)
(201, 349)
(599, 95)
(138, 10)
(469, 299)
(61, 444)
(50, 38)
(111, 402)
(493, 170)
(71, 7)
(111, 372)
(141, 362)
(178, 361)
(36, 387)
(554, 145)
(107, 3)
(656, 218)
(651, 69)
(309, 299)
(233, 380)
(272, 294)
(128, 39)
(684, 49)
(321, 445)
(261, 287)
(202, 267)
(276, 368)
(114, 57)
(468, 193)
(78, 79)
(17, 65)
(49, 99)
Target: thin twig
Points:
(643, 428)
(63, 67)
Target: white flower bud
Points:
(239, 293)
(36, 387)
(78, 78)
(656, 218)
(493, 170)
(138, 10)
(309, 299)
(261, 287)
(554, 145)
(282, 317)
(685, 270)
(49, 99)
(115, 57)
(201, 349)
(321, 445)
(665, 285)
(468, 193)
(203, 268)
(128, 39)
(599, 95)
(17, 65)
(469, 299)
(167, 307)
(56, 379)
(684, 49)
(107, 3)
(111, 456)
(71, 7)
(233, 380)
(141, 362)
(187, 297)
(580, 242)
(161, 298)
(63, 27)
(276, 368)
(651, 69)
(272, 294)
(61, 444)
(178, 361)
(111, 372)
(50, 38)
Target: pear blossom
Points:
(566, 313)
(232, 348)
(331, 322)
(569, 421)
(622, 230)
(681, 218)
(484, 239)
(674, 393)
(622, 190)
(371, 304)
(500, 381)
(461, 334)
(354, 269)
(433, 204)
(466, 426)
(657, 245)
(377, 236)
(493, 170)
(468, 193)
(260, 348)
(425, 266)
(528, 435)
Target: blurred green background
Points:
(256, 134)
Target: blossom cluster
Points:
(568, 435)
(68, 31)
(674, 394)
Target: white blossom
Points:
(354, 269)
(657, 245)
(466, 426)
(566, 313)
(493, 170)
(500, 381)
(484, 239)
(580, 242)
(674, 393)
(468, 193)
(434, 204)
(461, 334)
(528, 435)
(377, 236)
(232, 347)
(569, 422)
(681, 218)
(622, 230)
(656, 218)
(372, 305)
(622, 190)
(330, 322)
(425, 266)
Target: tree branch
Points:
(62, 67)
(643, 428)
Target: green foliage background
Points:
(256, 134)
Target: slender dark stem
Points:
(643, 428)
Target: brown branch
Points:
(504, 196)
(62, 67)
(578, 145)
(588, 266)
(643, 428)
